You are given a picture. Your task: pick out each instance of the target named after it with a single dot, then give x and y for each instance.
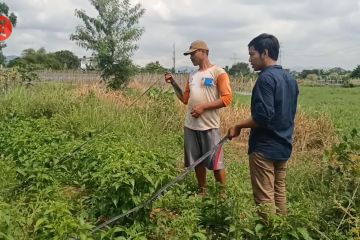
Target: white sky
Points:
(312, 33)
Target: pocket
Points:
(208, 82)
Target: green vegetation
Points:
(111, 37)
(341, 104)
(45, 193)
(153, 67)
(238, 69)
(4, 10)
(64, 196)
(40, 59)
(356, 72)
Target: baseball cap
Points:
(196, 45)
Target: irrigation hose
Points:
(164, 188)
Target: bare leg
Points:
(220, 176)
(200, 171)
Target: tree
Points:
(67, 59)
(112, 37)
(154, 67)
(4, 10)
(40, 59)
(2, 58)
(240, 68)
(30, 57)
(306, 72)
(356, 72)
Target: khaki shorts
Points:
(197, 143)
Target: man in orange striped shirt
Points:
(207, 90)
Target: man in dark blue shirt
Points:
(273, 108)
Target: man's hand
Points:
(197, 111)
(234, 132)
(169, 77)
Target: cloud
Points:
(313, 33)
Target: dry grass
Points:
(312, 134)
(118, 98)
(230, 116)
(137, 85)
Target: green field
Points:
(341, 104)
(48, 192)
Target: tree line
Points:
(65, 59)
(40, 59)
(111, 37)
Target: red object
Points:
(5, 28)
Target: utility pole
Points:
(174, 58)
(235, 58)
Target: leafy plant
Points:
(112, 37)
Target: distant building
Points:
(87, 63)
(337, 70)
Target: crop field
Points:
(51, 189)
(342, 105)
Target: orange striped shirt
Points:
(206, 86)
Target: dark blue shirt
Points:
(273, 108)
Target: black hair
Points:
(266, 41)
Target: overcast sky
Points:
(312, 33)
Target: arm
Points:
(201, 108)
(263, 101)
(183, 97)
(178, 91)
(262, 108)
(235, 130)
